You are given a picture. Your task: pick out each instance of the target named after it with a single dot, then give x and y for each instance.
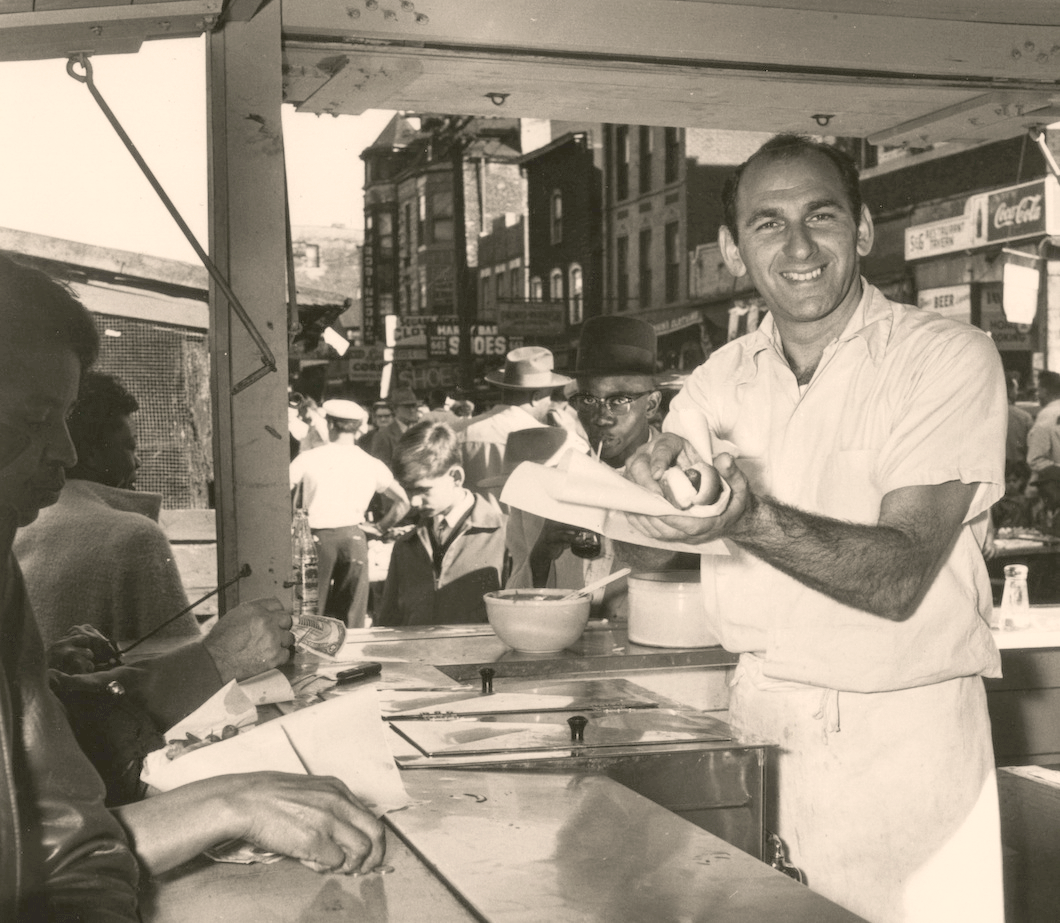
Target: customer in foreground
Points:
(63, 856)
(869, 443)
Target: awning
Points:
(123, 301)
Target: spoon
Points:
(590, 588)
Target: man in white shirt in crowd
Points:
(338, 481)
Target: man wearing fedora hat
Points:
(527, 381)
(338, 481)
(615, 400)
(406, 408)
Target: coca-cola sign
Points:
(1018, 211)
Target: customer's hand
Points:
(313, 818)
(84, 650)
(250, 639)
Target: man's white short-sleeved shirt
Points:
(904, 397)
(338, 482)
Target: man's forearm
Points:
(879, 569)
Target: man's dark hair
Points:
(342, 425)
(426, 450)
(36, 311)
(1049, 382)
(787, 147)
(102, 403)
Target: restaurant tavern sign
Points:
(1011, 213)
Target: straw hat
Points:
(528, 368)
(541, 444)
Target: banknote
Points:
(318, 633)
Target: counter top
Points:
(460, 651)
(1047, 635)
(509, 848)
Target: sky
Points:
(67, 174)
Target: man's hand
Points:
(252, 638)
(313, 818)
(648, 467)
(84, 650)
(555, 538)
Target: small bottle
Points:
(1015, 604)
(304, 563)
(586, 545)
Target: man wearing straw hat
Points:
(527, 381)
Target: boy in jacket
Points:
(440, 571)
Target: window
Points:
(673, 155)
(483, 289)
(575, 305)
(312, 256)
(622, 273)
(556, 214)
(421, 212)
(555, 285)
(515, 280)
(622, 162)
(644, 171)
(502, 285)
(441, 217)
(644, 267)
(537, 289)
(407, 243)
(673, 261)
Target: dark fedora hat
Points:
(612, 345)
(528, 368)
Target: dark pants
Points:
(343, 562)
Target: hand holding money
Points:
(318, 633)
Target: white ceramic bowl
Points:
(537, 621)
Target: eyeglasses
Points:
(617, 404)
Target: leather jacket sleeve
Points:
(69, 859)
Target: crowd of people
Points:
(863, 444)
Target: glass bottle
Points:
(586, 544)
(1015, 604)
(304, 563)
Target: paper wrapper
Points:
(589, 494)
(342, 737)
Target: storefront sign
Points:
(443, 340)
(531, 318)
(1018, 211)
(363, 363)
(1007, 337)
(938, 237)
(950, 301)
(680, 322)
(1011, 213)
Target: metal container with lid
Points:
(666, 610)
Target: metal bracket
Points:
(267, 358)
(1038, 136)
